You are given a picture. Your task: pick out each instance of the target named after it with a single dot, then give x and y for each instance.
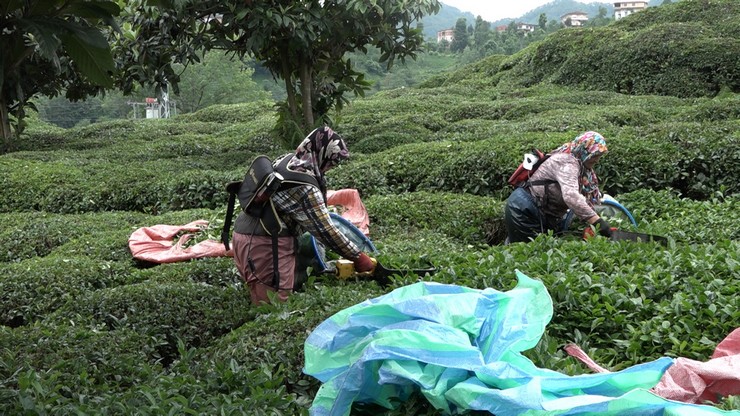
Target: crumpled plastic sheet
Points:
(156, 243)
(692, 381)
(462, 349)
(352, 208)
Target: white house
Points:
(525, 27)
(574, 19)
(626, 8)
(447, 34)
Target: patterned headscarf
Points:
(320, 151)
(585, 147)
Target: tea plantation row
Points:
(184, 163)
(88, 329)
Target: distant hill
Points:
(557, 8)
(445, 19)
(448, 15)
(686, 49)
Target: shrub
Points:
(31, 289)
(196, 313)
(684, 219)
(273, 342)
(84, 360)
(467, 218)
(232, 113)
(679, 51)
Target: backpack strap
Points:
(270, 222)
(275, 269)
(543, 182)
(226, 231)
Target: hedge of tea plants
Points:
(695, 158)
(92, 330)
(87, 329)
(688, 49)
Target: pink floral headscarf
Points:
(585, 147)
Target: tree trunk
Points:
(289, 87)
(5, 127)
(306, 94)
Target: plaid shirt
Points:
(302, 209)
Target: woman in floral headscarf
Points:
(301, 208)
(566, 180)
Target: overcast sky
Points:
(492, 10)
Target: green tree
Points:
(543, 21)
(600, 19)
(481, 33)
(47, 48)
(217, 79)
(304, 43)
(554, 25)
(460, 36)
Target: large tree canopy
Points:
(50, 47)
(304, 43)
(47, 47)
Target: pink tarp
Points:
(692, 381)
(157, 243)
(351, 207)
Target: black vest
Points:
(270, 221)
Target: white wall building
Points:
(626, 8)
(574, 19)
(525, 27)
(447, 34)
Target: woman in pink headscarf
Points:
(566, 180)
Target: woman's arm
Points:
(304, 207)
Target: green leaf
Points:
(7, 6)
(94, 9)
(45, 32)
(92, 59)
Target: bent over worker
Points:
(566, 180)
(300, 208)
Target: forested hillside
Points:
(86, 328)
(688, 49)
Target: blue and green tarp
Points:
(462, 349)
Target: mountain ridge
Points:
(448, 15)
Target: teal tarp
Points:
(461, 348)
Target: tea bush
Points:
(33, 288)
(31, 235)
(689, 51)
(232, 113)
(464, 217)
(87, 329)
(685, 219)
(649, 148)
(82, 359)
(195, 313)
(599, 288)
(273, 341)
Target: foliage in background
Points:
(687, 49)
(217, 79)
(301, 43)
(87, 329)
(50, 50)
